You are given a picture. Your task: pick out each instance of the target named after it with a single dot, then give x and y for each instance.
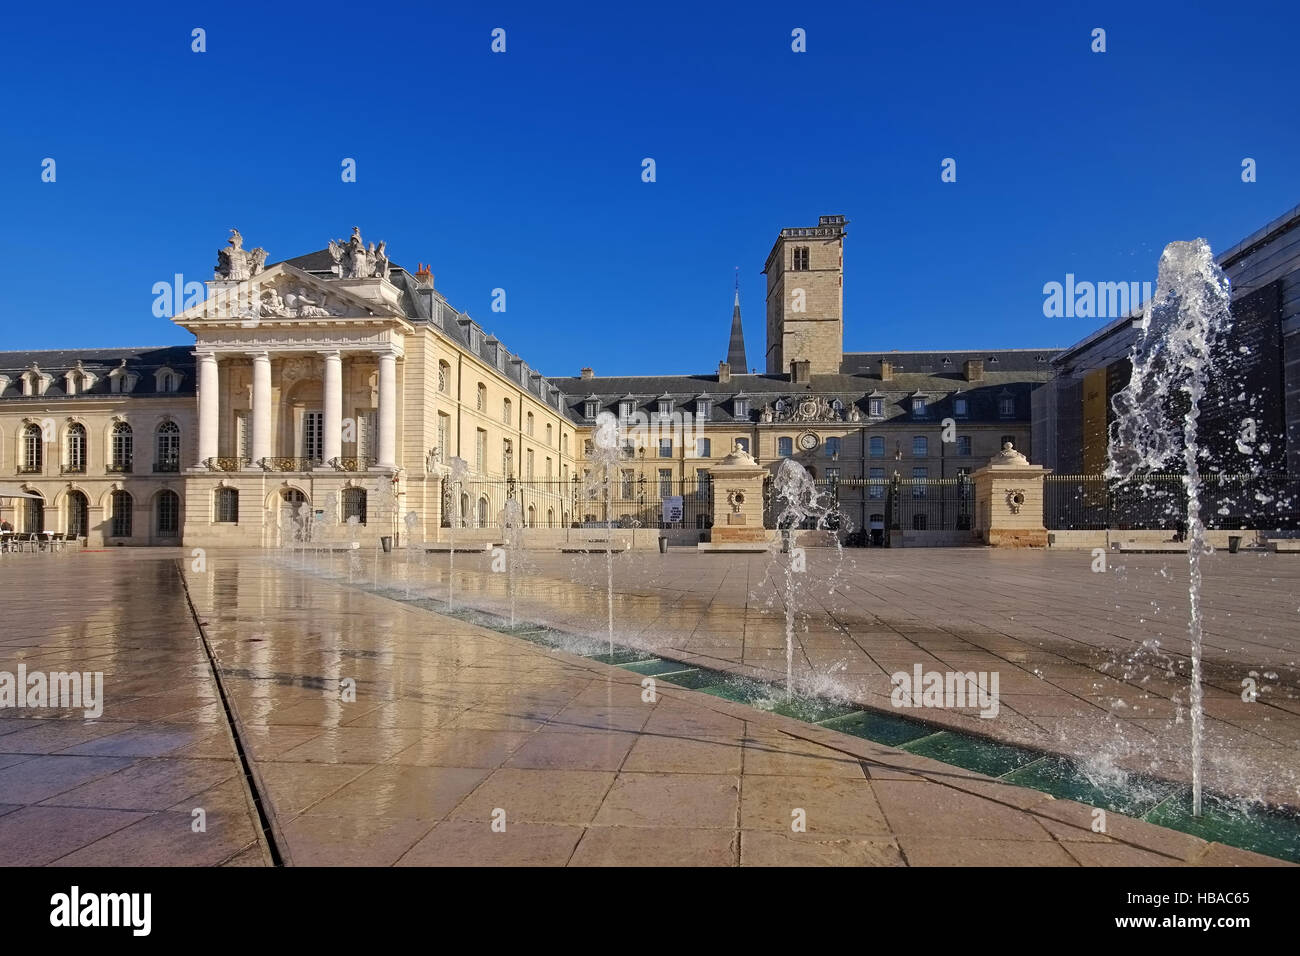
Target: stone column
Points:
(387, 457)
(209, 406)
(1009, 501)
(261, 445)
(333, 443)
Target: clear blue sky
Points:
(523, 170)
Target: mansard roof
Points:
(100, 363)
(982, 396)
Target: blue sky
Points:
(523, 170)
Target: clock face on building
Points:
(807, 441)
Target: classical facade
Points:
(329, 396)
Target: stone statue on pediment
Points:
(354, 260)
(854, 414)
(767, 414)
(237, 263)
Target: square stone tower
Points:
(805, 297)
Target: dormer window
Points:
(665, 406)
(590, 407)
(876, 407)
(1006, 406)
(961, 406)
(919, 406)
(741, 407)
(625, 408)
(703, 408)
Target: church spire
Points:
(736, 347)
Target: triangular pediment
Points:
(280, 294)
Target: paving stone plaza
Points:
(317, 708)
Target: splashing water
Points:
(411, 520)
(604, 460)
(458, 468)
(1183, 325)
(512, 522)
(796, 488)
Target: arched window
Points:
(532, 517)
(550, 517)
(482, 397)
(121, 505)
(564, 443)
(444, 377)
(169, 447)
(122, 450)
(168, 382)
(76, 449)
(550, 437)
(529, 423)
(354, 504)
(167, 514)
(226, 506)
(33, 450)
(506, 414)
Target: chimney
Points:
(424, 277)
(886, 370)
(800, 371)
(588, 373)
(724, 372)
(974, 370)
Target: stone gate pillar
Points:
(1009, 501)
(737, 483)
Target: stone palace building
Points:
(330, 395)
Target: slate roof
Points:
(56, 362)
(939, 388)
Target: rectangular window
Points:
(480, 450)
(665, 448)
(366, 445)
(313, 435)
(665, 482)
(243, 435)
(876, 408)
(528, 460)
(548, 469)
(624, 409)
(168, 515)
(444, 427)
(876, 488)
(703, 448)
(832, 447)
(920, 447)
(919, 478)
(1007, 406)
(627, 484)
(918, 407)
(507, 457)
(741, 406)
(963, 445)
(785, 447)
(703, 409)
(877, 446)
(702, 482)
(742, 444)
(960, 407)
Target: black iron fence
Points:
(1159, 502)
(632, 502)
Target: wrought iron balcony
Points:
(276, 463)
(226, 463)
(169, 464)
(118, 468)
(79, 469)
(29, 469)
(352, 464)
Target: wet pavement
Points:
(378, 733)
(1091, 664)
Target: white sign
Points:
(673, 509)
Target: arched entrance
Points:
(293, 516)
(78, 525)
